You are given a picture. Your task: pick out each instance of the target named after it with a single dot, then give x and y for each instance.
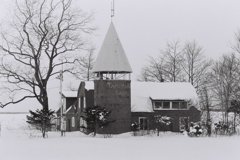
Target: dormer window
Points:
(183, 105)
(161, 105)
(179, 105)
(165, 105)
(175, 105)
(158, 105)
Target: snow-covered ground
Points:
(18, 142)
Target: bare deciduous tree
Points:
(173, 60)
(84, 65)
(44, 35)
(206, 102)
(153, 71)
(236, 46)
(166, 67)
(195, 65)
(225, 80)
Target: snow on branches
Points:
(96, 117)
(41, 119)
(163, 123)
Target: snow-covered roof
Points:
(69, 94)
(112, 58)
(89, 85)
(143, 92)
(141, 95)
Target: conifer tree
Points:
(41, 119)
(96, 117)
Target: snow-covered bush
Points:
(195, 130)
(134, 128)
(222, 128)
(163, 123)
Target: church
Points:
(129, 101)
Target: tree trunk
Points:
(208, 123)
(95, 129)
(234, 123)
(45, 99)
(43, 133)
(43, 130)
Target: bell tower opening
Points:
(113, 76)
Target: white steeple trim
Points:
(112, 58)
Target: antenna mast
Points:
(62, 121)
(112, 9)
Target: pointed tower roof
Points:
(112, 58)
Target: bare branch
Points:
(43, 33)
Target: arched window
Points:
(79, 103)
(73, 121)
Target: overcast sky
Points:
(144, 26)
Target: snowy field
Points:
(18, 142)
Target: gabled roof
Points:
(112, 58)
(70, 94)
(143, 92)
(89, 85)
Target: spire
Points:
(112, 58)
(112, 9)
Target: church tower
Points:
(112, 87)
